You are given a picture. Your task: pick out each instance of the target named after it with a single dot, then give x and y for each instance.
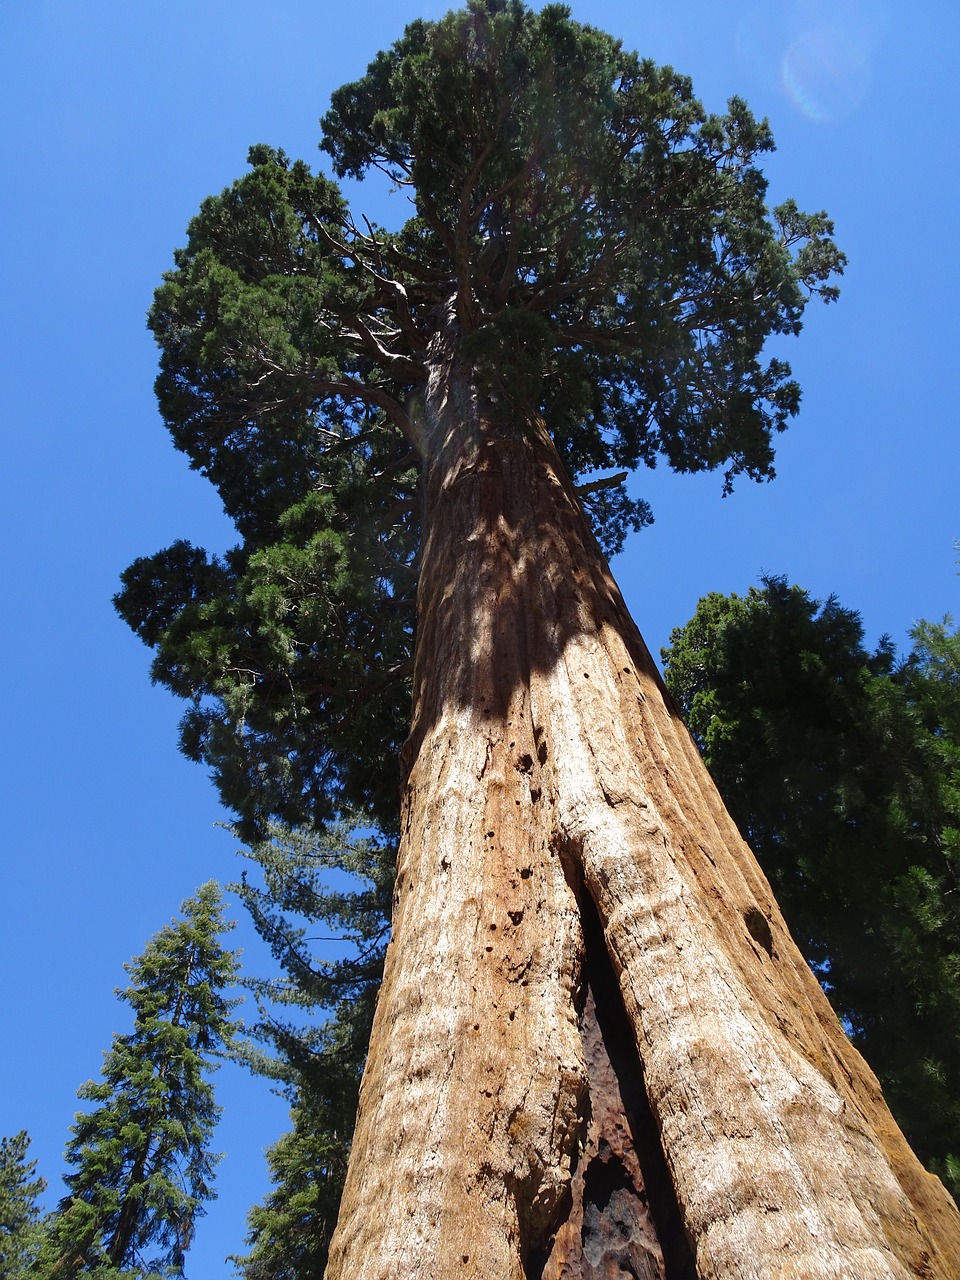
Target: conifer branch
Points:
(605, 482)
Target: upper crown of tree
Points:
(586, 238)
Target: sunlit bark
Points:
(550, 778)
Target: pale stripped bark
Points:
(545, 763)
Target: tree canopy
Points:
(592, 243)
(840, 765)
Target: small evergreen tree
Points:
(21, 1228)
(141, 1156)
(305, 893)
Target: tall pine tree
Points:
(142, 1164)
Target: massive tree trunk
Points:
(558, 825)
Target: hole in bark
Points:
(665, 1217)
(492, 928)
(526, 873)
(525, 763)
(623, 1219)
(609, 1214)
(542, 753)
(534, 794)
(515, 916)
(758, 927)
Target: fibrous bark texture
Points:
(548, 767)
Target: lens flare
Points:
(826, 72)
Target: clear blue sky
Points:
(117, 119)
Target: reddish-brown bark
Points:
(546, 763)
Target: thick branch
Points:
(392, 287)
(354, 389)
(605, 482)
(397, 365)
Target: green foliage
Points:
(567, 179)
(307, 622)
(21, 1224)
(842, 770)
(290, 1232)
(589, 246)
(338, 884)
(140, 1154)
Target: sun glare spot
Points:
(826, 72)
(818, 54)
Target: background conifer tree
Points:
(333, 887)
(21, 1226)
(842, 768)
(141, 1158)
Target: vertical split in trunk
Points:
(544, 755)
(623, 1219)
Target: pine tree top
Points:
(140, 1155)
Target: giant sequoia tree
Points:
(399, 419)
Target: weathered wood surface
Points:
(623, 1222)
(546, 761)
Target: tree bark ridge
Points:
(544, 753)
